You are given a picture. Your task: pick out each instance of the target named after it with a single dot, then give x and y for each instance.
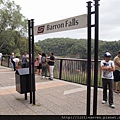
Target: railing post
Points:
(1, 60)
(31, 64)
(60, 74)
(33, 75)
(29, 42)
(8, 61)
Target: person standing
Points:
(24, 60)
(12, 62)
(51, 65)
(16, 60)
(44, 65)
(117, 72)
(0, 58)
(107, 67)
(36, 64)
(39, 68)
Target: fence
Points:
(69, 69)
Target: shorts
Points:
(40, 66)
(116, 75)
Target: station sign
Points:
(76, 22)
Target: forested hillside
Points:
(77, 48)
(13, 37)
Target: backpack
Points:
(43, 59)
(24, 60)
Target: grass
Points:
(80, 78)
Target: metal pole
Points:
(8, 60)
(29, 42)
(89, 59)
(26, 96)
(33, 75)
(96, 57)
(60, 75)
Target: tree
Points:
(13, 25)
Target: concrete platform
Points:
(55, 97)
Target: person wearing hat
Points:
(117, 72)
(107, 66)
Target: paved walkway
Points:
(52, 98)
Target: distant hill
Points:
(76, 48)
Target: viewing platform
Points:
(56, 97)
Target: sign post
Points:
(76, 22)
(96, 26)
(31, 60)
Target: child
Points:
(36, 65)
(107, 67)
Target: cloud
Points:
(110, 19)
(45, 11)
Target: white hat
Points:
(107, 54)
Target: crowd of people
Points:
(42, 64)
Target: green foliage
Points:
(13, 29)
(66, 47)
(13, 26)
(77, 48)
(111, 46)
(37, 50)
(13, 37)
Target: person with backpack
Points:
(24, 60)
(44, 65)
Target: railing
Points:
(69, 69)
(5, 61)
(75, 70)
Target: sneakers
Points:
(112, 106)
(103, 101)
(50, 79)
(43, 77)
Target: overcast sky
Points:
(46, 11)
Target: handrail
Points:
(68, 69)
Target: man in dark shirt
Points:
(51, 65)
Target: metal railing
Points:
(69, 69)
(75, 70)
(5, 60)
